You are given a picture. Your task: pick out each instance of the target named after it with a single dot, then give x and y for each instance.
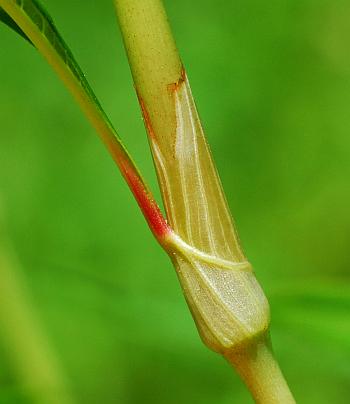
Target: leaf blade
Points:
(7, 20)
(39, 27)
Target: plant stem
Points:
(227, 303)
(191, 189)
(259, 370)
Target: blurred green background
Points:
(272, 83)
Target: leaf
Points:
(6, 19)
(29, 17)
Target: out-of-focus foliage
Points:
(272, 83)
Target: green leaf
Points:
(6, 19)
(34, 22)
(30, 19)
(33, 14)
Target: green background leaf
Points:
(272, 86)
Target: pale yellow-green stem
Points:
(23, 338)
(258, 368)
(191, 189)
(227, 303)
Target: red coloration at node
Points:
(175, 86)
(147, 204)
(146, 117)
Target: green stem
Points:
(259, 370)
(226, 301)
(191, 189)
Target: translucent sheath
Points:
(226, 301)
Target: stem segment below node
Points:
(260, 371)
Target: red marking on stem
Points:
(146, 117)
(175, 86)
(147, 204)
(149, 207)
